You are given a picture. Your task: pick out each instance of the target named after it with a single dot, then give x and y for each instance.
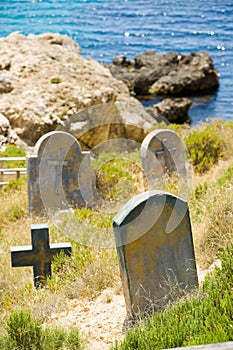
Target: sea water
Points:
(105, 29)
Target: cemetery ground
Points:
(82, 306)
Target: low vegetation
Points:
(204, 318)
(13, 151)
(24, 332)
(93, 265)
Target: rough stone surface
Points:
(45, 80)
(170, 74)
(59, 175)
(175, 110)
(155, 251)
(8, 135)
(162, 152)
(4, 124)
(96, 126)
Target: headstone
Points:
(59, 174)
(155, 251)
(39, 255)
(162, 152)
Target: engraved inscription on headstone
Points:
(39, 255)
(162, 152)
(155, 251)
(59, 174)
(58, 164)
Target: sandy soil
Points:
(100, 321)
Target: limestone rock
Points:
(4, 124)
(172, 74)
(110, 126)
(44, 80)
(194, 75)
(175, 110)
(7, 135)
(5, 82)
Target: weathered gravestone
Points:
(40, 254)
(162, 152)
(59, 174)
(155, 251)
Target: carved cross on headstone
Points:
(39, 255)
(59, 163)
(162, 152)
(167, 153)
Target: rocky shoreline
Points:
(45, 84)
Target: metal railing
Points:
(6, 174)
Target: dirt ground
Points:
(100, 321)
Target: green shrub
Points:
(226, 177)
(14, 184)
(55, 80)
(204, 148)
(16, 212)
(200, 190)
(25, 333)
(110, 174)
(73, 340)
(13, 151)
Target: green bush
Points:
(55, 80)
(226, 177)
(14, 184)
(14, 151)
(25, 333)
(16, 212)
(204, 147)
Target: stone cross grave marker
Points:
(39, 255)
(59, 174)
(155, 251)
(162, 152)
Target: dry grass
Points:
(212, 214)
(91, 269)
(86, 273)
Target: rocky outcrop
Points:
(172, 74)
(7, 135)
(45, 84)
(4, 125)
(120, 125)
(175, 110)
(44, 81)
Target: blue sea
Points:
(105, 29)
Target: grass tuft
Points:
(26, 333)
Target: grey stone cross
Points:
(39, 255)
(59, 163)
